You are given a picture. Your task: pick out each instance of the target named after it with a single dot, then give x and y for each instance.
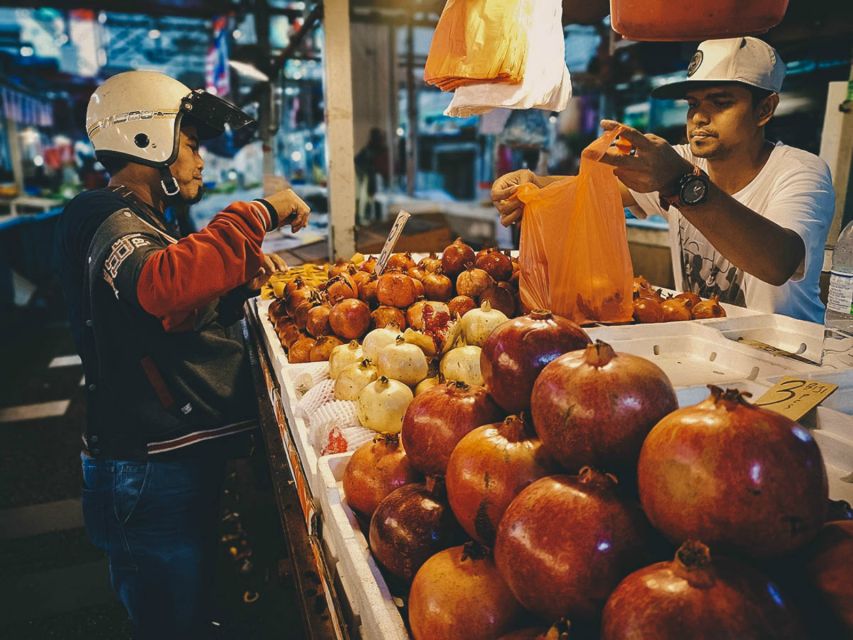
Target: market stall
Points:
(313, 427)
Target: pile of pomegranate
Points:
(651, 306)
(423, 298)
(566, 495)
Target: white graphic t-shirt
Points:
(794, 190)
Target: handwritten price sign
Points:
(393, 236)
(794, 397)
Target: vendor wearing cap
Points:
(155, 314)
(748, 218)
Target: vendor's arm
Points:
(750, 241)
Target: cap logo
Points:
(695, 62)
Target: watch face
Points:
(694, 190)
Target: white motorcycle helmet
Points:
(137, 116)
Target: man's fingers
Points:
(278, 262)
(616, 158)
(505, 207)
(511, 218)
(634, 137)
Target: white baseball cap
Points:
(745, 60)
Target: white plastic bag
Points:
(547, 84)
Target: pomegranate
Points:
(411, 524)
(416, 273)
(321, 351)
(300, 294)
(420, 292)
(415, 314)
(340, 288)
(675, 309)
(400, 262)
(369, 265)
(367, 292)
(595, 407)
(829, 559)
(317, 323)
(387, 317)
(560, 630)
(487, 469)
(708, 309)
(458, 595)
(438, 418)
(460, 305)
(293, 285)
(300, 350)
(300, 314)
(431, 263)
(343, 356)
(647, 310)
(689, 297)
(350, 319)
(473, 282)
(289, 334)
(501, 297)
(495, 263)
(376, 469)
(456, 257)
(695, 597)
(734, 475)
(478, 325)
(516, 351)
(361, 278)
(276, 310)
(565, 542)
(396, 290)
(438, 286)
(340, 266)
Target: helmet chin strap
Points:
(168, 183)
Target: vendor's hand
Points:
(653, 165)
(503, 190)
(290, 209)
(272, 263)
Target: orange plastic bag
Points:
(473, 43)
(573, 254)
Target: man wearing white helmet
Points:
(155, 317)
(748, 218)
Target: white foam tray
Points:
(363, 581)
(695, 354)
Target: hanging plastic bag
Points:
(574, 254)
(546, 81)
(473, 43)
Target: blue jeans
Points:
(158, 523)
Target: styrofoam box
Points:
(693, 354)
(789, 334)
(380, 618)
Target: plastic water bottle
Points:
(839, 306)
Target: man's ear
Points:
(766, 108)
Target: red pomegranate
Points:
(368, 291)
(733, 475)
(438, 286)
(495, 263)
(386, 316)
(565, 542)
(396, 290)
(595, 407)
(317, 323)
(473, 282)
(322, 349)
(437, 419)
(708, 309)
(675, 310)
(829, 559)
(376, 469)
(460, 305)
(487, 469)
(693, 597)
(350, 319)
(518, 350)
(458, 594)
(502, 297)
(456, 257)
(647, 310)
(400, 261)
(411, 524)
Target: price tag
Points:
(393, 236)
(794, 397)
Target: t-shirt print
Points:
(704, 271)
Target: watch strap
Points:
(672, 198)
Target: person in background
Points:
(737, 204)
(371, 162)
(155, 315)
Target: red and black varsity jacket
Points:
(156, 321)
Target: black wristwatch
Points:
(690, 190)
